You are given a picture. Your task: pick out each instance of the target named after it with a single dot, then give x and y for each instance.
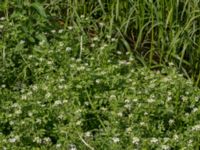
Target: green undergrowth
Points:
(90, 103)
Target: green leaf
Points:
(39, 8)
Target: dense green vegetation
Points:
(100, 74)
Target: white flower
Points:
(86, 103)
(78, 60)
(122, 62)
(135, 140)
(95, 38)
(47, 140)
(70, 27)
(35, 87)
(190, 142)
(41, 42)
(166, 139)
(72, 147)
(103, 109)
(11, 123)
(61, 44)
(29, 93)
(120, 114)
(30, 114)
(58, 102)
(187, 114)
(131, 58)
(53, 31)
(65, 101)
(108, 36)
(115, 139)
(171, 121)
(128, 106)
(101, 24)
(195, 110)
(154, 140)
(78, 122)
(171, 64)
(81, 68)
(15, 105)
(68, 49)
(113, 39)
(119, 52)
(37, 140)
(18, 111)
(169, 98)
(39, 121)
(112, 97)
(184, 98)
(60, 86)
(97, 81)
(22, 42)
(58, 145)
(166, 79)
(165, 147)
(128, 129)
(88, 134)
(135, 100)
(127, 101)
(2, 18)
(175, 137)
(61, 116)
(82, 16)
(92, 45)
(196, 99)
(41, 59)
(142, 123)
(196, 127)
(48, 95)
(3, 86)
(150, 100)
(12, 140)
(60, 31)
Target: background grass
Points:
(158, 32)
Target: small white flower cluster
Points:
(154, 140)
(196, 128)
(14, 139)
(135, 140)
(46, 140)
(112, 97)
(1, 26)
(57, 103)
(150, 100)
(88, 134)
(70, 27)
(2, 18)
(72, 147)
(115, 139)
(165, 147)
(48, 95)
(37, 140)
(68, 49)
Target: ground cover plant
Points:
(74, 76)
